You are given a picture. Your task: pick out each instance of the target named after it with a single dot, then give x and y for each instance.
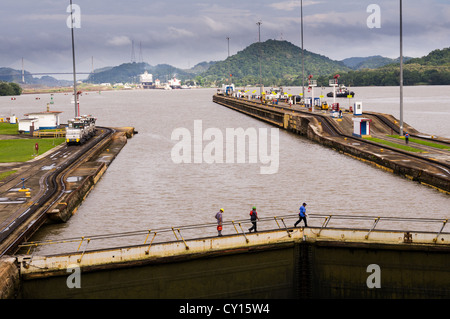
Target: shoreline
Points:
(63, 90)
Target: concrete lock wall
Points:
(310, 269)
(381, 271)
(259, 274)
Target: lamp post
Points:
(312, 83)
(401, 70)
(303, 60)
(228, 39)
(259, 45)
(73, 58)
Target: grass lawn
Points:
(422, 142)
(22, 150)
(400, 146)
(9, 129)
(6, 174)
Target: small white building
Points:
(47, 120)
(13, 119)
(357, 108)
(361, 126)
(28, 125)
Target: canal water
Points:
(145, 189)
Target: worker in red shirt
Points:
(253, 218)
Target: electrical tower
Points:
(133, 56)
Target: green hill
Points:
(11, 75)
(130, 72)
(371, 62)
(124, 73)
(436, 58)
(432, 69)
(281, 64)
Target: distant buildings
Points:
(146, 82)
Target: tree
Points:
(16, 88)
(6, 89)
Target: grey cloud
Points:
(188, 32)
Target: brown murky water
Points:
(145, 189)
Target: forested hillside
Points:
(371, 62)
(281, 64)
(130, 72)
(432, 69)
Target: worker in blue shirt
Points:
(302, 215)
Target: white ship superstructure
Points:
(147, 80)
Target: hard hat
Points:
(221, 209)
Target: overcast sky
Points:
(185, 32)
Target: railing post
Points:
(373, 227)
(175, 233)
(287, 230)
(87, 243)
(149, 231)
(148, 249)
(237, 232)
(275, 217)
(31, 246)
(82, 238)
(187, 247)
(243, 233)
(442, 228)
(324, 224)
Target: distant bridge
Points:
(59, 73)
(44, 73)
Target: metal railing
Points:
(50, 134)
(318, 222)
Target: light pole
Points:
(228, 39)
(73, 58)
(312, 83)
(401, 70)
(303, 60)
(259, 45)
